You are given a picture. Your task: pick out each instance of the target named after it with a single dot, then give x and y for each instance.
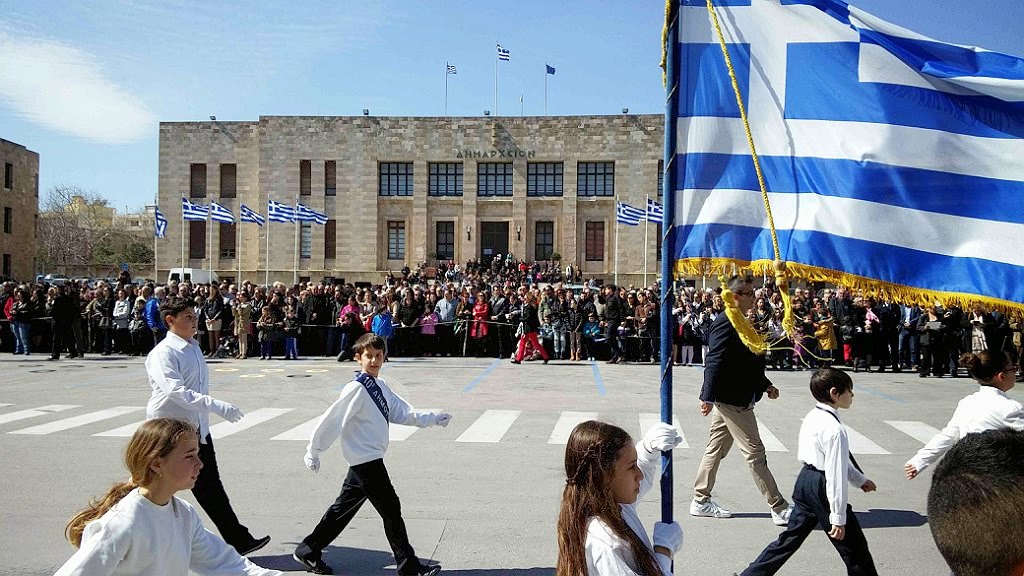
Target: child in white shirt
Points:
(140, 528)
(360, 417)
(987, 409)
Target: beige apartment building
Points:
(397, 191)
(19, 201)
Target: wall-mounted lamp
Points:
(519, 233)
(469, 230)
(487, 112)
(625, 110)
(366, 111)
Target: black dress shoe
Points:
(426, 570)
(316, 566)
(252, 546)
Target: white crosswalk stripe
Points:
(491, 426)
(42, 411)
(771, 441)
(566, 422)
(122, 431)
(3, 404)
(917, 430)
(860, 444)
(80, 420)
(648, 419)
(254, 418)
(299, 433)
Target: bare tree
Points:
(73, 223)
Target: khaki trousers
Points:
(732, 423)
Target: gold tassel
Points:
(751, 338)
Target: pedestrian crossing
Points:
(487, 427)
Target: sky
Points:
(85, 84)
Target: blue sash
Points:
(376, 394)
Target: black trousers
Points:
(368, 481)
(810, 511)
(210, 494)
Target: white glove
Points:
(227, 411)
(668, 535)
(661, 438)
(312, 462)
(442, 419)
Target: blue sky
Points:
(85, 84)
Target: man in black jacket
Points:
(613, 314)
(734, 380)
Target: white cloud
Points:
(64, 89)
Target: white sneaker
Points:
(782, 518)
(711, 509)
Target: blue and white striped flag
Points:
(278, 212)
(503, 54)
(192, 211)
(628, 215)
(221, 214)
(304, 213)
(246, 214)
(892, 162)
(160, 228)
(655, 211)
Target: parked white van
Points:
(193, 275)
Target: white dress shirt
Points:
(610, 555)
(987, 409)
(181, 383)
(824, 445)
(139, 538)
(356, 419)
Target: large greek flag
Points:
(891, 160)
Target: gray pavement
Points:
(480, 496)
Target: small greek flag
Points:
(628, 215)
(193, 211)
(278, 212)
(221, 214)
(503, 54)
(247, 215)
(304, 213)
(655, 211)
(451, 69)
(161, 224)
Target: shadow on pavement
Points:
(884, 518)
(352, 562)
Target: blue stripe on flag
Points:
(947, 60)
(710, 91)
(946, 193)
(860, 257)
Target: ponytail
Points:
(97, 508)
(985, 365)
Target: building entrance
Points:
(493, 239)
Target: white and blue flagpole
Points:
(668, 249)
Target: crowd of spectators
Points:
(503, 308)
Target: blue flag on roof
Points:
(891, 161)
(550, 69)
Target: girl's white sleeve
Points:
(939, 443)
(648, 464)
(101, 552)
(604, 554)
(212, 556)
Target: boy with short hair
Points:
(819, 498)
(360, 417)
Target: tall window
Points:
(396, 240)
(305, 240)
(197, 181)
(228, 180)
(595, 179)
(445, 179)
(8, 176)
(544, 179)
(8, 220)
(330, 178)
(331, 239)
(305, 178)
(395, 179)
(661, 180)
(227, 240)
(494, 179)
(545, 240)
(7, 266)
(445, 240)
(197, 239)
(594, 245)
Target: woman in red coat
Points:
(478, 328)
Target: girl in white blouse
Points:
(599, 531)
(139, 528)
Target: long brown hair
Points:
(154, 439)
(590, 456)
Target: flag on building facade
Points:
(550, 69)
(192, 211)
(221, 214)
(891, 162)
(503, 54)
(304, 213)
(628, 215)
(278, 212)
(247, 214)
(655, 211)
(160, 222)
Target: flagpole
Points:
(496, 79)
(545, 89)
(209, 236)
(182, 276)
(446, 88)
(238, 246)
(266, 272)
(295, 267)
(616, 255)
(520, 104)
(156, 208)
(647, 222)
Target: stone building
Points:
(398, 191)
(19, 201)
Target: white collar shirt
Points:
(180, 380)
(824, 445)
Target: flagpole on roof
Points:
(496, 79)
(545, 89)
(446, 88)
